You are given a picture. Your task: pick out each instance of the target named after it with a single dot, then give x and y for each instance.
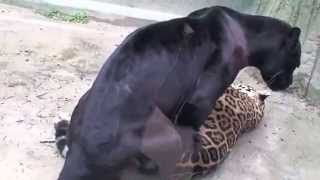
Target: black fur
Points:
(61, 139)
(178, 66)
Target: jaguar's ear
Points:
(263, 95)
(295, 33)
(293, 38)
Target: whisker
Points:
(273, 77)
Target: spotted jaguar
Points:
(238, 110)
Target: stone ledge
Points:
(98, 10)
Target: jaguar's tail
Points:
(61, 131)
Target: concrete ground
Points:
(45, 66)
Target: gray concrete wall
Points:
(183, 6)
